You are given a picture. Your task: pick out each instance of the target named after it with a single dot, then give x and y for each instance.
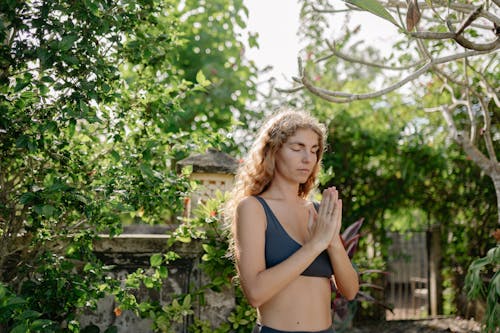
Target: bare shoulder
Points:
(249, 206)
(250, 212)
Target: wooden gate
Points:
(408, 283)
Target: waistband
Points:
(265, 329)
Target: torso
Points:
(305, 303)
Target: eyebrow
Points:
(302, 144)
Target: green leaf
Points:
(148, 282)
(21, 328)
(374, 7)
(163, 272)
(16, 301)
(187, 301)
(156, 259)
(146, 171)
(201, 79)
(115, 155)
(29, 314)
(40, 324)
(27, 198)
(22, 141)
(67, 42)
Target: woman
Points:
(286, 250)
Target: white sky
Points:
(277, 22)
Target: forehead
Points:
(304, 136)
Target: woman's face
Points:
(297, 157)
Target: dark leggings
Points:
(264, 329)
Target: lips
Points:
(304, 170)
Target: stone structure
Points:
(214, 171)
(129, 251)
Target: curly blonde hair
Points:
(256, 171)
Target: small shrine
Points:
(213, 171)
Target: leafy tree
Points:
(91, 93)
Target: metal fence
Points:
(408, 284)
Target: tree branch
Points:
(345, 57)
(348, 97)
(473, 123)
(290, 90)
(342, 97)
(469, 19)
(486, 130)
(459, 7)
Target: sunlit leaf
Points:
(374, 7)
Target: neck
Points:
(281, 189)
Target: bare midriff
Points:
(304, 305)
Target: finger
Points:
(323, 208)
(331, 206)
(310, 222)
(338, 212)
(335, 194)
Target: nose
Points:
(307, 157)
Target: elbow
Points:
(254, 302)
(255, 296)
(350, 294)
(254, 299)
(350, 291)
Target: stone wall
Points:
(131, 251)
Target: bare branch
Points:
(316, 91)
(342, 97)
(473, 152)
(347, 97)
(460, 39)
(476, 46)
(433, 35)
(290, 90)
(486, 130)
(459, 7)
(469, 19)
(345, 57)
(333, 11)
(462, 55)
(488, 87)
(448, 77)
(473, 123)
(452, 128)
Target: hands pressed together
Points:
(324, 226)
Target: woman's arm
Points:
(346, 278)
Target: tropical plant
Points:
(475, 286)
(343, 309)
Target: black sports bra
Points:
(279, 246)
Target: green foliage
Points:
(206, 227)
(17, 316)
(475, 286)
(92, 95)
